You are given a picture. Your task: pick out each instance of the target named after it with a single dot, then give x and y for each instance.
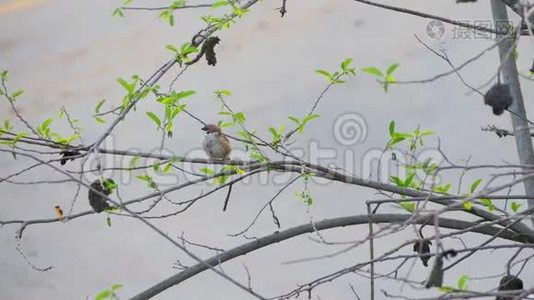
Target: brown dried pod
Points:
(499, 98)
(423, 247)
(509, 283)
(106, 187)
(209, 50)
(68, 155)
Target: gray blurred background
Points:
(69, 53)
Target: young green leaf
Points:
(154, 118)
(103, 295)
(327, 74)
(392, 69)
(207, 171)
(134, 160)
(515, 206)
(17, 94)
(409, 206)
(462, 282)
(373, 71)
(391, 128)
(468, 205)
(185, 94)
(172, 48)
(488, 203)
(474, 185)
(345, 64)
(117, 12)
(99, 105)
(219, 4)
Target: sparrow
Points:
(216, 144)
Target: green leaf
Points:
(397, 181)
(117, 286)
(167, 100)
(326, 74)
(103, 295)
(240, 117)
(100, 120)
(346, 63)
(395, 140)
(294, 119)
(474, 185)
(99, 105)
(128, 87)
(409, 179)
(167, 168)
(392, 69)
(446, 289)
(409, 206)
(391, 128)
(172, 48)
(4, 75)
(207, 171)
(17, 94)
(110, 185)
(468, 205)
(154, 118)
(177, 4)
(168, 127)
(488, 203)
(219, 4)
(462, 282)
(427, 132)
(373, 71)
(223, 92)
(118, 12)
(309, 118)
(515, 206)
(146, 178)
(134, 160)
(185, 94)
(443, 189)
(46, 123)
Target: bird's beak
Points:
(205, 128)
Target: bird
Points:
(216, 144)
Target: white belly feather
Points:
(213, 147)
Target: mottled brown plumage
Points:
(216, 144)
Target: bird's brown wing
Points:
(226, 145)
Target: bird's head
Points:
(211, 128)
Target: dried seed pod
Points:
(509, 283)
(209, 50)
(68, 155)
(422, 247)
(499, 98)
(106, 187)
